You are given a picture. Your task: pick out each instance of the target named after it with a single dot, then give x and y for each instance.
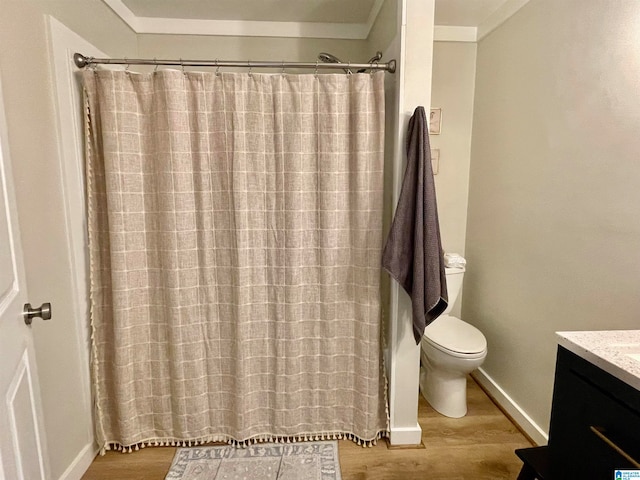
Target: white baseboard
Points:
(519, 416)
(405, 435)
(81, 463)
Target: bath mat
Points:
(266, 461)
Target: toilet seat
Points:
(455, 337)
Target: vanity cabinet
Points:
(595, 425)
(595, 421)
(595, 414)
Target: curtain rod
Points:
(81, 61)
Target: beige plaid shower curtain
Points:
(235, 236)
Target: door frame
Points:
(70, 133)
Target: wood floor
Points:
(477, 447)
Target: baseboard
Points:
(405, 436)
(517, 414)
(81, 463)
(420, 446)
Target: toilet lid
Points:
(451, 333)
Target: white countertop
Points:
(611, 350)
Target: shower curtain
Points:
(235, 237)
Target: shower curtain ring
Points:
(316, 70)
(217, 68)
(126, 68)
(249, 64)
(157, 65)
(282, 73)
(182, 65)
(349, 72)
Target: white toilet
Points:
(450, 350)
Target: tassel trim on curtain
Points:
(226, 439)
(89, 132)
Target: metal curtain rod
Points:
(81, 61)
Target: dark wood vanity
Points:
(595, 424)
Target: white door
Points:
(22, 455)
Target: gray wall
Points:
(250, 48)
(553, 237)
(384, 29)
(453, 82)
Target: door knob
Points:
(44, 312)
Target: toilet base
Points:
(446, 392)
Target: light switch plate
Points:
(435, 160)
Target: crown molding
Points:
(180, 26)
(501, 15)
(373, 15)
(445, 33)
(349, 31)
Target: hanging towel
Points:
(413, 253)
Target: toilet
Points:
(450, 350)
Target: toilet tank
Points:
(454, 285)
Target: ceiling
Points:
(465, 13)
(321, 11)
(289, 18)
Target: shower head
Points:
(328, 58)
(375, 59)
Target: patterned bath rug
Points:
(266, 461)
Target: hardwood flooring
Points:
(477, 447)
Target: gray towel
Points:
(413, 253)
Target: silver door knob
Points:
(44, 312)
